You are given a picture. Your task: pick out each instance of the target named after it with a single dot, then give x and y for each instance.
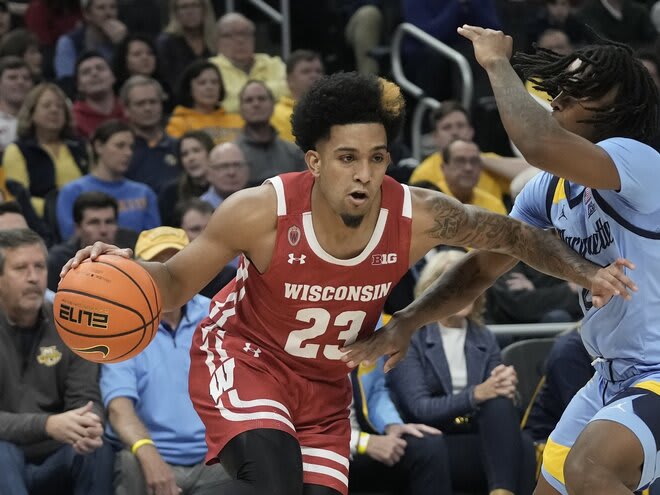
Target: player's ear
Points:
(313, 160)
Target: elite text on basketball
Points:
(83, 316)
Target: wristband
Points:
(140, 443)
(362, 443)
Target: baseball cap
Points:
(155, 241)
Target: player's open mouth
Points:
(358, 197)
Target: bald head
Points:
(12, 220)
(228, 169)
(236, 38)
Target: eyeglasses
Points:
(234, 35)
(226, 166)
(461, 162)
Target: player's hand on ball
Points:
(612, 281)
(393, 340)
(92, 252)
(490, 46)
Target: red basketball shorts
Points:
(237, 387)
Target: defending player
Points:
(603, 201)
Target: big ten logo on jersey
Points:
(383, 259)
(85, 316)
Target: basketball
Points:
(107, 310)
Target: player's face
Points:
(349, 168)
(569, 111)
(23, 279)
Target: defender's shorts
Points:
(236, 387)
(633, 402)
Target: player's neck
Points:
(334, 236)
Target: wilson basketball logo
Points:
(294, 235)
(83, 316)
(383, 259)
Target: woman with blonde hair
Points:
(190, 35)
(453, 378)
(45, 155)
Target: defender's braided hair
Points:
(605, 65)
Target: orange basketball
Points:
(107, 310)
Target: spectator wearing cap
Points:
(161, 437)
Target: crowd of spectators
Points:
(131, 121)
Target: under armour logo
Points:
(563, 215)
(293, 259)
(248, 348)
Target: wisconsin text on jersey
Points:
(313, 293)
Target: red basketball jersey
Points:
(308, 304)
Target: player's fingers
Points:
(625, 262)
(624, 279)
(613, 284)
(598, 302)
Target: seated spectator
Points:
(624, 21)
(556, 15)
(193, 215)
(238, 63)
(136, 56)
(23, 44)
(189, 36)
(97, 102)
(461, 167)
(228, 172)
(452, 122)
(201, 91)
(100, 32)
(95, 218)
(453, 378)
(154, 159)
(387, 454)
(15, 84)
(51, 426)
(46, 155)
(162, 438)
(50, 19)
(266, 154)
(112, 145)
(567, 369)
(303, 69)
(193, 154)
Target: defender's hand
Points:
(393, 340)
(490, 46)
(92, 252)
(612, 281)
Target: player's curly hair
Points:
(347, 98)
(605, 65)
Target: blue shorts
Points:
(633, 402)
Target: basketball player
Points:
(321, 250)
(600, 194)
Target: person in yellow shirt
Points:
(303, 69)
(45, 156)
(238, 62)
(200, 95)
(461, 167)
(452, 122)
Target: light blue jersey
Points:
(603, 225)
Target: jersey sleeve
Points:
(638, 166)
(531, 205)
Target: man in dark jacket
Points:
(50, 414)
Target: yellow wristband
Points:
(362, 443)
(140, 443)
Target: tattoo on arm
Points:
(464, 225)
